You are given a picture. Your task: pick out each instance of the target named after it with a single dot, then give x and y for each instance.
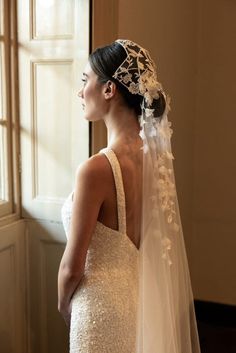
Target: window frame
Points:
(10, 209)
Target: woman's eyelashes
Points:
(84, 81)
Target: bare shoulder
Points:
(93, 171)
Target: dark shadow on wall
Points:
(216, 327)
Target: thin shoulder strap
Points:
(115, 165)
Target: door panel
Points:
(53, 50)
(47, 330)
(13, 284)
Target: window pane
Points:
(3, 163)
(1, 16)
(3, 142)
(5, 182)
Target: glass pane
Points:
(4, 192)
(5, 150)
(1, 16)
(2, 81)
(3, 164)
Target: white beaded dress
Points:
(104, 306)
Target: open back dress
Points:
(104, 305)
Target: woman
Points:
(117, 288)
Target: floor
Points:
(217, 337)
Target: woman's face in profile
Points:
(91, 95)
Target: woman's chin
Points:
(91, 119)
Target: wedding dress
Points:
(104, 306)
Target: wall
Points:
(215, 145)
(103, 12)
(193, 44)
(168, 29)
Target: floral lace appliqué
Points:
(156, 141)
(139, 75)
(138, 72)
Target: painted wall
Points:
(168, 29)
(214, 207)
(192, 43)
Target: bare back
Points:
(130, 159)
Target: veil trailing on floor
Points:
(166, 316)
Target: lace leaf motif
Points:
(164, 191)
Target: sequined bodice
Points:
(104, 305)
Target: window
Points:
(7, 113)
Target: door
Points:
(53, 41)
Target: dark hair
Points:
(105, 61)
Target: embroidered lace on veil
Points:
(166, 316)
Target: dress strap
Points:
(115, 165)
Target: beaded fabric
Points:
(104, 306)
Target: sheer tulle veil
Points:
(166, 316)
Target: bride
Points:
(123, 281)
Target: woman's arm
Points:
(87, 199)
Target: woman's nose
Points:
(80, 93)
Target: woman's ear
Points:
(109, 89)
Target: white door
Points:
(53, 41)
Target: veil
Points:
(166, 321)
(166, 316)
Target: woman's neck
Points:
(121, 123)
